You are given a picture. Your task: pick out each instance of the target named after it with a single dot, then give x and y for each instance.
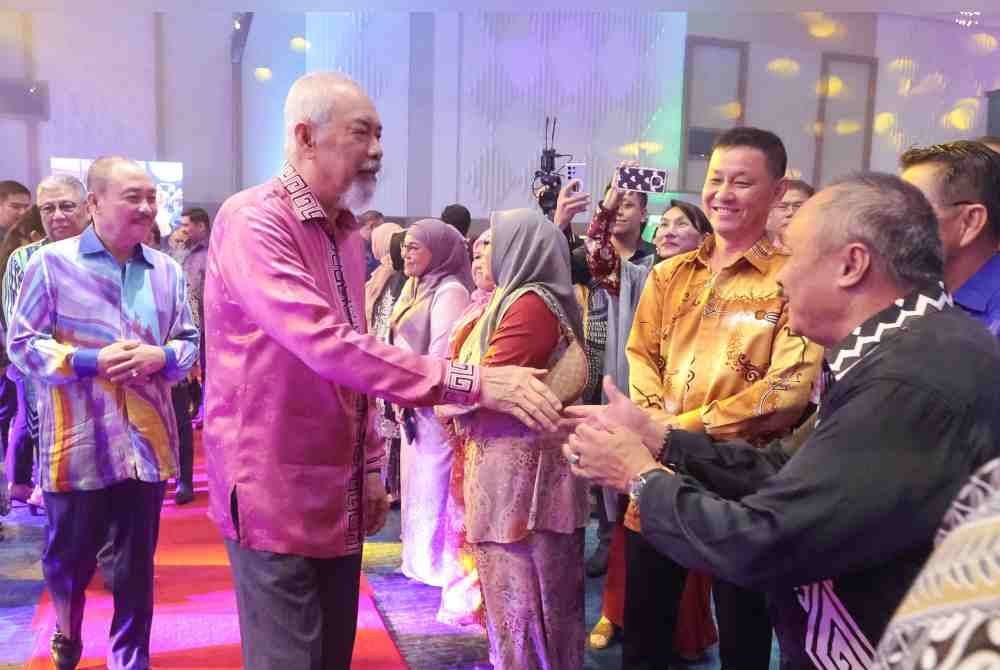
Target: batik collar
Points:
(760, 255)
(306, 205)
(866, 337)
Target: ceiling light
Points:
(967, 18)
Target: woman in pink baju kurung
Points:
(524, 510)
(436, 260)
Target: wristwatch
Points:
(636, 484)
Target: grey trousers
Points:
(295, 612)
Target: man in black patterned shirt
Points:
(836, 531)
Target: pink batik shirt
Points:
(290, 372)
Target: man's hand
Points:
(130, 362)
(570, 203)
(622, 412)
(607, 457)
(114, 354)
(376, 504)
(520, 393)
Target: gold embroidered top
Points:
(713, 351)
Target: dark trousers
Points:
(8, 408)
(295, 612)
(744, 627)
(79, 523)
(181, 396)
(653, 588)
(654, 584)
(22, 441)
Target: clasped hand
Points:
(611, 444)
(129, 361)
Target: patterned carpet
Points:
(20, 583)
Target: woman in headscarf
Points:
(461, 596)
(436, 262)
(524, 510)
(382, 290)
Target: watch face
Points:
(635, 486)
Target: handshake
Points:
(614, 443)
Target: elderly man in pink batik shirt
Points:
(293, 465)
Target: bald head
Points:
(104, 168)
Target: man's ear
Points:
(973, 222)
(305, 140)
(855, 260)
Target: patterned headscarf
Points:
(411, 316)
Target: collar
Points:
(866, 337)
(760, 255)
(201, 246)
(642, 250)
(306, 205)
(90, 243)
(975, 294)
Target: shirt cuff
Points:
(462, 384)
(170, 364)
(655, 479)
(690, 421)
(84, 362)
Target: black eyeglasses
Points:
(66, 207)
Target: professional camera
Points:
(547, 181)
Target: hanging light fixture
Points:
(968, 18)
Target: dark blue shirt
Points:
(980, 295)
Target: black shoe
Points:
(65, 652)
(597, 564)
(184, 494)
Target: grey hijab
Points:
(529, 250)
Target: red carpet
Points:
(195, 624)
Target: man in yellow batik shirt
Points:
(710, 351)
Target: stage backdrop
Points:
(464, 96)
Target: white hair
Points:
(311, 100)
(62, 180)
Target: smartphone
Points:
(577, 171)
(647, 180)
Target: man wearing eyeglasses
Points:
(61, 203)
(962, 182)
(781, 214)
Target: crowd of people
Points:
(776, 409)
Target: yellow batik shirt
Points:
(713, 352)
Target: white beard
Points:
(358, 195)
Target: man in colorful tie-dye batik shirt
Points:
(102, 325)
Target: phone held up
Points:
(647, 180)
(577, 171)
